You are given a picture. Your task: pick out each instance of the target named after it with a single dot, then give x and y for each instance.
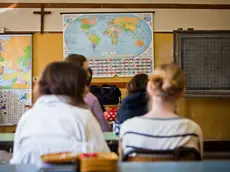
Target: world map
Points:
(15, 62)
(120, 35)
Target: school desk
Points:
(213, 149)
(9, 137)
(203, 166)
(18, 168)
(7, 140)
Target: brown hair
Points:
(167, 82)
(90, 76)
(138, 83)
(64, 79)
(76, 59)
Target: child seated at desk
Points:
(59, 121)
(89, 98)
(135, 104)
(161, 128)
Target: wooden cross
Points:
(42, 13)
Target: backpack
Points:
(106, 94)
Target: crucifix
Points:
(42, 13)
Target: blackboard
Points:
(205, 58)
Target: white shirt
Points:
(52, 126)
(160, 134)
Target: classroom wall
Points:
(165, 20)
(213, 114)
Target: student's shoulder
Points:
(26, 116)
(193, 125)
(91, 96)
(131, 124)
(80, 110)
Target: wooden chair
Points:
(179, 154)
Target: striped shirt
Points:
(160, 134)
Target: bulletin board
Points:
(115, 43)
(15, 76)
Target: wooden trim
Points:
(33, 32)
(118, 84)
(117, 5)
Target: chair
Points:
(178, 154)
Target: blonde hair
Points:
(167, 82)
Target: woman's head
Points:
(90, 75)
(78, 60)
(138, 83)
(167, 82)
(64, 79)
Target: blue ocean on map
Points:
(113, 35)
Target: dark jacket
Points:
(133, 105)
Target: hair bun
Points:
(169, 87)
(157, 82)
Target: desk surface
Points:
(204, 166)
(6, 137)
(110, 136)
(212, 166)
(18, 168)
(9, 137)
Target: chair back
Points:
(178, 154)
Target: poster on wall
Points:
(15, 76)
(114, 43)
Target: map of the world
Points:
(109, 36)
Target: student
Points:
(89, 98)
(78, 60)
(135, 104)
(95, 106)
(161, 128)
(59, 121)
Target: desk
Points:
(7, 140)
(18, 168)
(110, 136)
(204, 166)
(9, 137)
(211, 148)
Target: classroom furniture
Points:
(18, 168)
(112, 141)
(6, 141)
(212, 166)
(110, 136)
(178, 154)
(202, 166)
(213, 149)
(9, 137)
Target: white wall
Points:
(164, 19)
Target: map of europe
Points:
(15, 61)
(117, 35)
